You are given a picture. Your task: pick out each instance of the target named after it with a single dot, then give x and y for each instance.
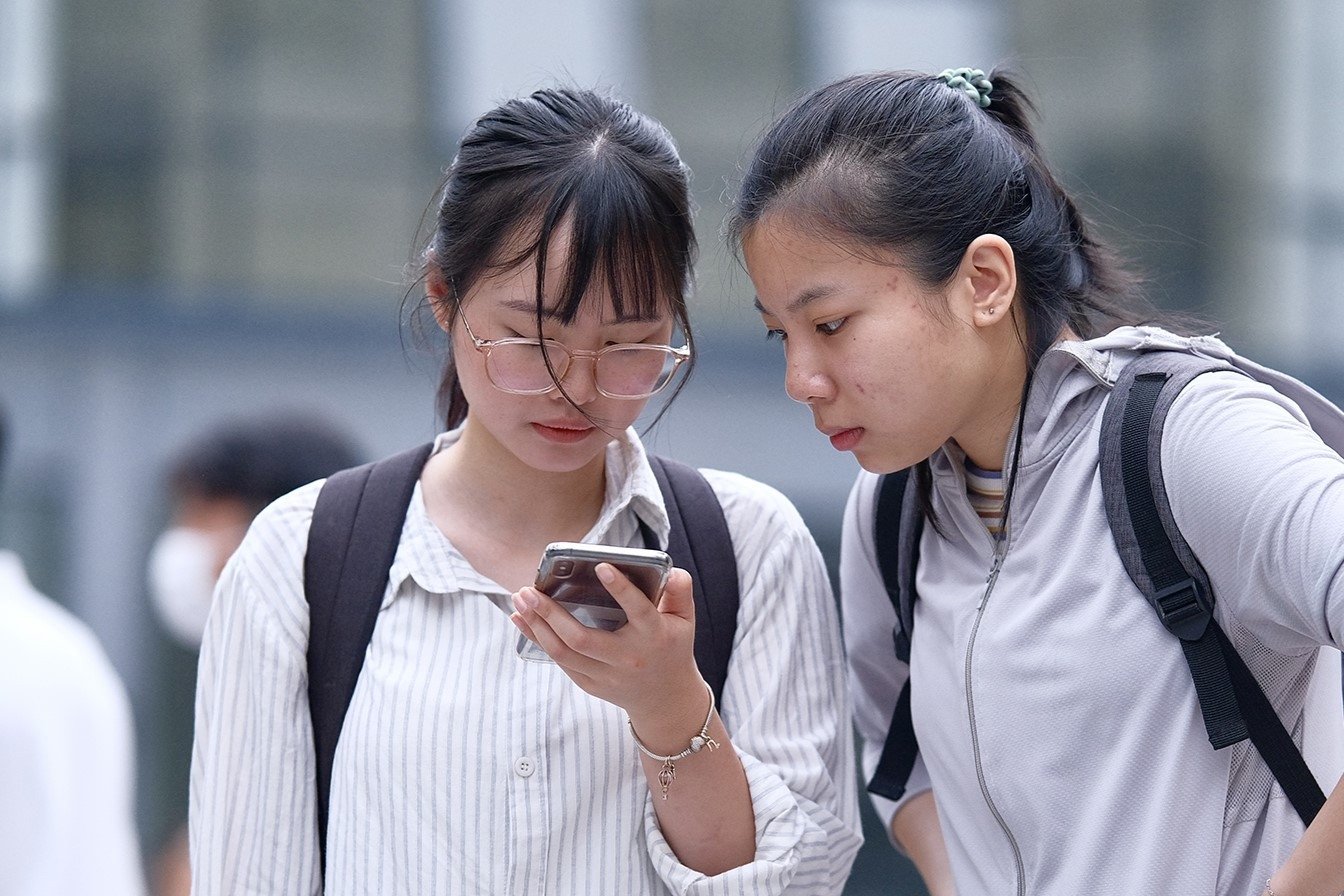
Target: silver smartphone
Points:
(568, 573)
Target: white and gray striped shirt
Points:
(464, 769)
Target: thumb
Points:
(678, 596)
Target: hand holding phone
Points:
(567, 573)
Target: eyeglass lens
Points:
(632, 371)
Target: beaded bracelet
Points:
(668, 773)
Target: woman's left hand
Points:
(647, 667)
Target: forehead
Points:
(792, 266)
(572, 281)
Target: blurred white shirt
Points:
(66, 770)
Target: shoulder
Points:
(769, 535)
(1221, 415)
(749, 504)
(265, 574)
(62, 665)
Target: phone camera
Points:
(563, 569)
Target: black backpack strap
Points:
(699, 542)
(1166, 571)
(898, 524)
(352, 541)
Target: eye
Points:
(773, 334)
(831, 327)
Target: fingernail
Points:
(606, 573)
(529, 599)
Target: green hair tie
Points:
(970, 80)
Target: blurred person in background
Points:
(67, 825)
(559, 266)
(947, 309)
(216, 484)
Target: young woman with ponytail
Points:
(945, 307)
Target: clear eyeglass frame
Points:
(562, 356)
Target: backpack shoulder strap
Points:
(700, 543)
(1166, 571)
(352, 541)
(898, 525)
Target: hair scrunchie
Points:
(970, 80)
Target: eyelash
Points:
(830, 328)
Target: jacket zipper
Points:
(999, 551)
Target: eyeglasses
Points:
(625, 370)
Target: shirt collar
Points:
(426, 556)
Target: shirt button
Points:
(525, 766)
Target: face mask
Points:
(182, 582)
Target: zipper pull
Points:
(994, 569)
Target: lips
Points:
(563, 431)
(843, 439)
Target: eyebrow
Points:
(549, 313)
(802, 300)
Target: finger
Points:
(565, 640)
(521, 624)
(637, 605)
(678, 595)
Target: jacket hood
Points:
(1073, 379)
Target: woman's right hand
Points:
(647, 667)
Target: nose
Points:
(804, 381)
(580, 380)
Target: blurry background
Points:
(206, 209)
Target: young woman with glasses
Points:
(559, 267)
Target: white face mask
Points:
(182, 582)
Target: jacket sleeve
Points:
(785, 707)
(252, 817)
(1260, 499)
(876, 676)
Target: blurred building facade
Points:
(210, 208)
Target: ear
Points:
(439, 294)
(989, 274)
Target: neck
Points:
(985, 440)
(507, 495)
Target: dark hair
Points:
(566, 157)
(899, 160)
(257, 461)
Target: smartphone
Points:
(568, 573)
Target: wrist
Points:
(665, 724)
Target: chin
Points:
(566, 458)
(882, 464)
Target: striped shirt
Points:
(464, 769)
(984, 488)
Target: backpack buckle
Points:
(1184, 610)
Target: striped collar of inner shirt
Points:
(985, 490)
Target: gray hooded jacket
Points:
(1057, 721)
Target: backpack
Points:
(1155, 555)
(356, 527)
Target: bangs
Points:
(622, 237)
